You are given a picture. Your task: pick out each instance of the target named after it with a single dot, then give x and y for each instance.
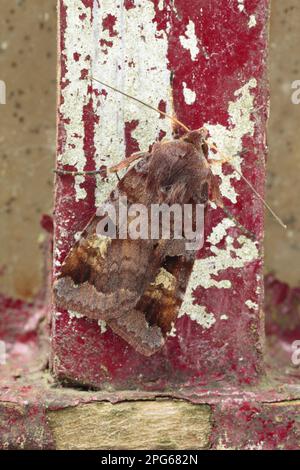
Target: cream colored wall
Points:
(27, 140)
(283, 191)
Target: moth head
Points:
(197, 138)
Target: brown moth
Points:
(137, 286)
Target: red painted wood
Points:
(231, 54)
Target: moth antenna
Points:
(113, 169)
(126, 162)
(78, 173)
(267, 206)
(174, 119)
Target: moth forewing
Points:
(137, 286)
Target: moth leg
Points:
(216, 195)
(59, 171)
(225, 158)
(125, 163)
(220, 162)
(113, 169)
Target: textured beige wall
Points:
(27, 140)
(283, 248)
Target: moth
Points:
(137, 285)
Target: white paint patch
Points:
(189, 95)
(258, 289)
(252, 21)
(128, 64)
(190, 41)
(230, 140)
(73, 314)
(78, 38)
(204, 273)
(161, 5)
(224, 317)
(103, 326)
(137, 64)
(219, 231)
(200, 315)
(241, 5)
(172, 332)
(251, 305)
(206, 270)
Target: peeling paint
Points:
(115, 67)
(251, 305)
(114, 109)
(190, 41)
(230, 140)
(241, 5)
(161, 4)
(73, 314)
(219, 231)
(78, 38)
(103, 326)
(224, 317)
(252, 21)
(200, 315)
(189, 95)
(205, 271)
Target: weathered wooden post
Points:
(204, 61)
